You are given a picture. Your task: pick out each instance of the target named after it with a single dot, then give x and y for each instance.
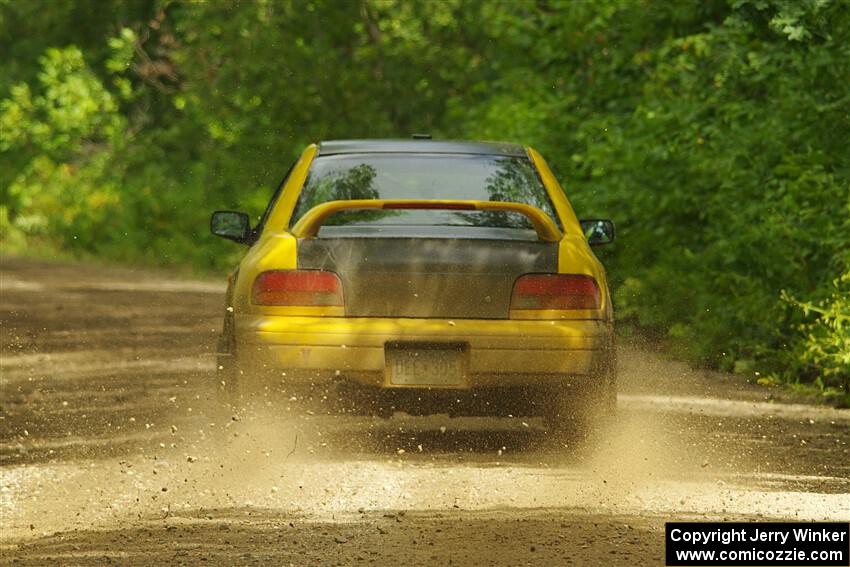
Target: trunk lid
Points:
(428, 271)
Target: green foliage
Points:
(717, 141)
(825, 351)
(713, 133)
(61, 136)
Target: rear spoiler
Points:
(308, 226)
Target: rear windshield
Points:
(422, 176)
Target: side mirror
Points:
(232, 225)
(598, 231)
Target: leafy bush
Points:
(62, 136)
(824, 354)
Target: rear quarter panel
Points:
(276, 248)
(574, 253)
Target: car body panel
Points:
(282, 210)
(505, 352)
(427, 277)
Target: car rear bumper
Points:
(500, 352)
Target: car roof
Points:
(335, 147)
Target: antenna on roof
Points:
(421, 136)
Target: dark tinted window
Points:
(434, 176)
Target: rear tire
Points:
(589, 408)
(227, 366)
(610, 376)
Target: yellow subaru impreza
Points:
(422, 276)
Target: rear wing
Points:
(308, 226)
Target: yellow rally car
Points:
(422, 276)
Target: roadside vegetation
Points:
(714, 133)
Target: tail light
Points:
(555, 291)
(296, 287)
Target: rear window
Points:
(423, 176)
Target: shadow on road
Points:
(254, 536)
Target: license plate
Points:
(426, 365)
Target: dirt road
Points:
(114, 450)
